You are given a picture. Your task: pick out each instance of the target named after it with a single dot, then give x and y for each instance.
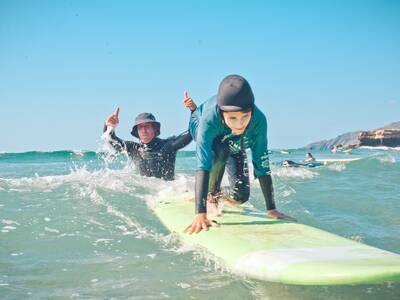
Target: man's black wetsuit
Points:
(155, 159)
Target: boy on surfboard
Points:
(223, 127)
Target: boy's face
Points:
(237, 121)
(146, 132)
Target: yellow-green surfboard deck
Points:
(278, 251)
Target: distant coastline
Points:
(387, 136)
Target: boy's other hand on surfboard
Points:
(275, 214)
(113, 120)
(200, 222)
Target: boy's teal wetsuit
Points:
(217, 147)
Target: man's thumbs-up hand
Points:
(113, 120)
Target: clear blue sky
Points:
(317, 68)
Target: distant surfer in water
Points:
(223, 127)
(291, 163)
(308, 162)
(152, 156)
(309, 157)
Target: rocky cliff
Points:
(381, 137)
(388, 135)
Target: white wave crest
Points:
(337, 167)
(113, 180)
(381, 148)
(87, 184)
(386, 159)
(79, 152)
(284, 191)
(302, 173)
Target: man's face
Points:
(146, 132)
(237, 121)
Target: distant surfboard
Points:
(292, 253)
(334, 160)
(347, 151)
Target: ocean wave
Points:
(9, 225)
(47, 155)
(337, 167)
(284, 194)
(301, 173)
(80, 152)
(383, 158)
(108, 179)
(380, 148)
(386, 159)
(125, 180)
(89, 185)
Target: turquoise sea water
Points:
(79, 224)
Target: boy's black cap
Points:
(235, 94)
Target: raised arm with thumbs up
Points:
(113, 120)
(188, 102)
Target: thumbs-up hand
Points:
(188, 102)
(113, 120)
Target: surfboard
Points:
(347, 151)
(252, 245)
(335, 160)
(290, 163)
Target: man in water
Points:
(152, 156)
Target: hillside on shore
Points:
(388, 135)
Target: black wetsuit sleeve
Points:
(201, 191)
(180, 141)
(268, 191)
(119, 144)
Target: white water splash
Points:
(87, 184)
(182, 185)
(283, 190)
(6, 229)
(52, 230)
(113, 180)
(386, 159)
(337, 167)
(9, 222)
(381, 148)
(183, 285)
(301, 173)
(79, 152)
(10, 225)
(106, 134)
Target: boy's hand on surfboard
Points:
(275, 214)
(188, 102)
(113, 120)
(200, 222)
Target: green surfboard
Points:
(253, 245)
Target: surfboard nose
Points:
(321, 265)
